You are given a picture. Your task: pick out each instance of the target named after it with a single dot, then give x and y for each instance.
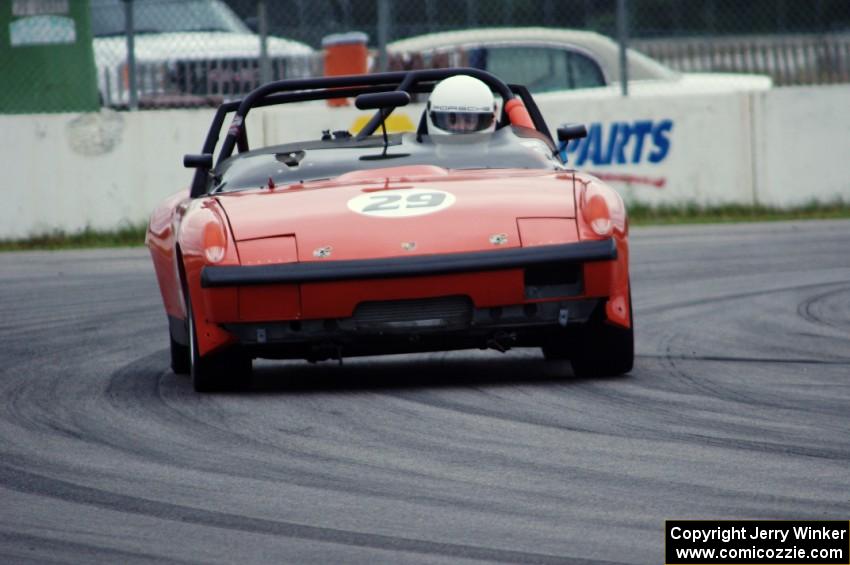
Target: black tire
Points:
(560, 345)
(219, 371)
(180, 362)
(598, 349)
(605, 351)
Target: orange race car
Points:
(409, 242)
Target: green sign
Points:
(46, 57)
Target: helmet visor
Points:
(462, 122)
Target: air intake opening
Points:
(551, 280)
(445, 312)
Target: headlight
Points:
(215, 242)
(598, 215)
(602, 210)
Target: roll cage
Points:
(324, 88)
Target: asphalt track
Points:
(738, 407)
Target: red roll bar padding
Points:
(518, 114)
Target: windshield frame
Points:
(348, 86)
(306, 162)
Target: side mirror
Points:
(568, 132)
(202, 161)
(376, 100)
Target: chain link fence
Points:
(186, 53)
(310, 20)
(167, 53)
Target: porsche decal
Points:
(323, 252)
(401, 203)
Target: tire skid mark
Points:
(141, 388)
(672, 347)
(32, 483)
(649, 432)
(663, 308)
(291, 473)
(34, 546)
(739, 359)
(806, 309)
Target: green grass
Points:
(128, 236)
(644, 215)
(639, 214)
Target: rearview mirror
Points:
(202, 161)
(373, 101)
(568, 132)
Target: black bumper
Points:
(422, 265)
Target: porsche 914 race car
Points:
(366, 244)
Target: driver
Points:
(461, 104)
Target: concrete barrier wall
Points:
(802, 141)
(664, 149)
(781, 147)
(104, 170)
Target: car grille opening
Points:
(445, 312)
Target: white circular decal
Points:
(401, 203)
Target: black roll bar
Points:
(199, 181)
(323, 88)
(403, 79)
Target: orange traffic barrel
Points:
(345, 54)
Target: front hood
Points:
(388, 212)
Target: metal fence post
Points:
(383, 32)
(622, 38)
(710, 16)
(507, 12)
(263, 28)
(781, 16)
(131, 55)
(430, 14)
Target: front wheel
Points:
(215, 372)
(598, 349)
(605, 351)
(180, 362)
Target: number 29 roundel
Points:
(401, 203)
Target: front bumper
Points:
(514, 296)
(417, 266)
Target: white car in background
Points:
(188, 52)
(558, 60)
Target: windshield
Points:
(164, 16)
(318, 160)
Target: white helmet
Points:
(461, 104)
